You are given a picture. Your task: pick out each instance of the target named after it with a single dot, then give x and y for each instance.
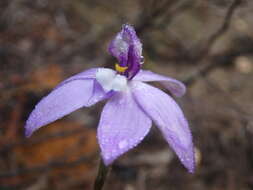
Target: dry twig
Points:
(203, 70)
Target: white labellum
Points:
(109, 80)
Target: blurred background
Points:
(208, 44)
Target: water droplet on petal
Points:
(123, 144)
(121, 102)
(107, 156)
(141, 60)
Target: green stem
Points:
(101, 176)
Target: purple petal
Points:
(134, 63)
(167, 115)
(98, 94)
(122, 126)
(61, 101)
(119, 46)
(87, 74)
(176, 87)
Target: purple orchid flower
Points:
(131, 107)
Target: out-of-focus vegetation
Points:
(206, 43)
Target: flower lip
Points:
(110, 80)
(127, 48)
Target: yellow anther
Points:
(120, 69)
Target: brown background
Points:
(206, 43)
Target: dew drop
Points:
(123, 144)
(107, 156)
(141, 60)
(121, 102)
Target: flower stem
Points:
(101, 176)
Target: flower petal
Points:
(119, 46)
(134, 62)
(122, 126)
(63, 100)
(87, 74)
(176, 87)
(98, 94)
(167, 115)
